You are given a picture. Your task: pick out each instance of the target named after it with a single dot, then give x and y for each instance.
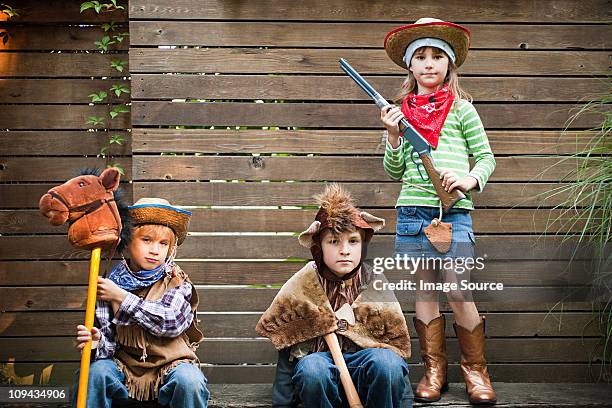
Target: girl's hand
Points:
(84, 335)
(450, 181)
(108, 291)
(390, 116)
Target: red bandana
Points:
(427, 113)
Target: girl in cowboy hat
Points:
(336, 292)
(146, 333)
(436, 106)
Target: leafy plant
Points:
(10, 12)
(98, 97)
(95, 120)
(587, 209)
(100, 7)
(118, 89)
(110, 37)
(119, 65)
(117, 110)
(104, 43)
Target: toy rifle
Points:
(420, 145)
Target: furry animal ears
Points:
(338, 212)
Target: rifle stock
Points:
(447, 199)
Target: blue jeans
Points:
(183, 387)
(378, 375)
(410, 238)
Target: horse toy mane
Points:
(93, 205)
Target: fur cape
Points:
(301, 311)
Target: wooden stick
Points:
(345, 377)
(94, 269)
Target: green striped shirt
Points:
(461, 135)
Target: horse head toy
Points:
(88, 203)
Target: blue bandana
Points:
(123, 277)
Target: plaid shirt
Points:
(168, 317)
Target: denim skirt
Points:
(410, 236)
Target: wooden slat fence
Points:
(48, 68)
(241, 113)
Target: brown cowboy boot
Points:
(474, 365)
(433, 352)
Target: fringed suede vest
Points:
(145, 359)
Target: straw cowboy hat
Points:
(161, 212)
(398, 39)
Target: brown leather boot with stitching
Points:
(433, 352)
(474, 365)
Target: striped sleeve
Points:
(394, 162)
(478, 146)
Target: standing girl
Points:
(436, 106)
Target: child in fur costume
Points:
(145, 333)
(334, 293)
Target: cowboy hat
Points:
(456, 36)
(161, 212)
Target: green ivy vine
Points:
(111, 36)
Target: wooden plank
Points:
(327, 87)
(341, 115)
(337, 168)
(60, 65)
(62, 143)
(498, 325)
(215, 299)
(357, 35)
(225, 374)
(509, 395)
(496, 247)
(556, 11)
(62, 374)
(55, 90)
(27, 195)
(529, 324)
(59, 117)
(267, 220)
(325, 61)
(523, 273)
(485, 220)
(62, 11)
(253, 351)
(380, 194)
(245, 220)
(36, 38)
(150, 140)
(52, 169)
(525, 298)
